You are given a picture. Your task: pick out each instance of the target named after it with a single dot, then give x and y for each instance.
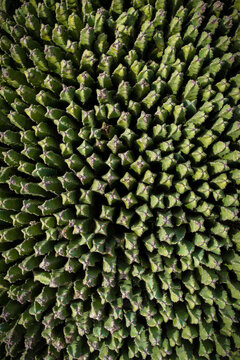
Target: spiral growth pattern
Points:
(119, 180)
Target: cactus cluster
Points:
(119, 179)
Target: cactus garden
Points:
(119, 180)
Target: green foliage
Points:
(119, 179)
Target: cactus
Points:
(119, 180)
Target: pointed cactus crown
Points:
(119, 179)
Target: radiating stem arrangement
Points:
(119, 179)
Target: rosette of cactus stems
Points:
(119, 179)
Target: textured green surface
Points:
(119, 180)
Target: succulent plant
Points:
(119, 179)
